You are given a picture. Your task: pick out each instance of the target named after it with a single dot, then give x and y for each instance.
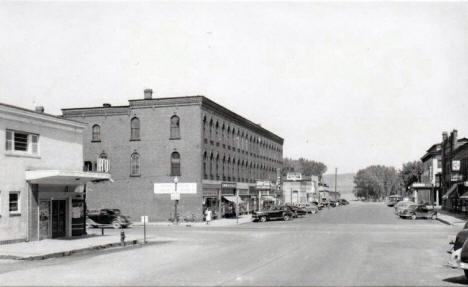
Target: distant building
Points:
(149, 142)
(299, 189)
(428, 190)
(41, 180)
(453, 174)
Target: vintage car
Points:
(402, 205)
(393, 199)
(107, 217)
(343, 201)
(276, 212)
(309, 207)
(296, 210)
(418, 211)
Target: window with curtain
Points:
(175, 127)
(175, 164)
(96, 133)
(135, 129)
(135, 164)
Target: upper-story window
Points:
(22, 142)
(175, 164)
(96, 133)
(175, 127)
(135, 129)
(135, 164)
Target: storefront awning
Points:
(464, 196)
(268, 198)
(64, 177)
(233, 198)
(451, 189)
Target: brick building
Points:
(452, 177)
(428, 190)
(152, 140)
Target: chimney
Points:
(148, 94)
(455, 138)
(106, 105)
(444, 137)
(40, 109)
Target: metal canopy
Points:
(452, 189)
(64, 177)
(233, 198)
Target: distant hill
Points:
(345, 183)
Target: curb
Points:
(444, 221)
(128, 244)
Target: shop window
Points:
(135, 129)
(22, 142)
(175, 164)
(175, 127)
(96, 137)
(14, 202)
(135, 164)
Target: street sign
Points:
(187, 187)
(175, 196)
(164, 188)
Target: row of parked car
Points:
(459, 250)
(287, 212)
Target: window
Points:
(175, 164)
(175, 127)
(135, 129)
(21, 142)
(88, 166)
(135, 164)
(205, 175)
(14, 202)
(96, 133)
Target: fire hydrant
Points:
(122, 237)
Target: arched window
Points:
(175, 127)
(205, 174)
(217, 166)
(211, 165)
(135, 129)
(175, 164)
(224, 168)
(135, 164)
(96, 133)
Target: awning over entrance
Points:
(268, 198)
(233, 199)
(64, 177)
(451, 189)
(464, 196)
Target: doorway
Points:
(58, 218)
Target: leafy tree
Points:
(377, 182)
(411, 172)
(304, 166)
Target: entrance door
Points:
(58, 218)
(44, 214)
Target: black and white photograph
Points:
(233, 143)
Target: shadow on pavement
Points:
(458, 280)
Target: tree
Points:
(411, 172)
(377, 182)
(304, 166)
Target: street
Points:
(358, 244)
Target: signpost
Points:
(175, 189)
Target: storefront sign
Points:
(226, 185)
(293, 176)
(455, 165)
(264, 184)
(456, 177)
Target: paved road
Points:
(359, 244)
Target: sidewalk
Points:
(450, 218)
(215, 223)
(49, 248)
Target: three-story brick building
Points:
(154, 140)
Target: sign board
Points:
(266, 184)
(175, 196)
(455, 165)
(228, 185)
(456, 177)
(163, 188)
(293, 176)
(466, 183)
(418, 184)
(187, 187)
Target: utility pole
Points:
(336, 171)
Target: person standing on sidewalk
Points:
(207, 216)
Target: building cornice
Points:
(24, 115)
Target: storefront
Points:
(58, 202)
(266, 192)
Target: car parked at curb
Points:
(275, 213)
(107, 217)
(419, 211)
(343, 201)
(402, 205)
(296, 210)
(309, 207)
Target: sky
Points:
(350, 84)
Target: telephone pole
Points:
(336, 171)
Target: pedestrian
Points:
(207, 216)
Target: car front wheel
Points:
(116, 224)
(263, 219)
(286, 217)
(434, 217)
(413, 217)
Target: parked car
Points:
(393, 199)
(276, 212)
(296, 210)
(343, 201)
(455, 252)
(418, 211)
(332, 203)
(318, 204)
(401, 205)
(309, 207)
(107, 217)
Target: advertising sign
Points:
(455, 165)
(227, 185)
(293, 176)
(265, 184)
